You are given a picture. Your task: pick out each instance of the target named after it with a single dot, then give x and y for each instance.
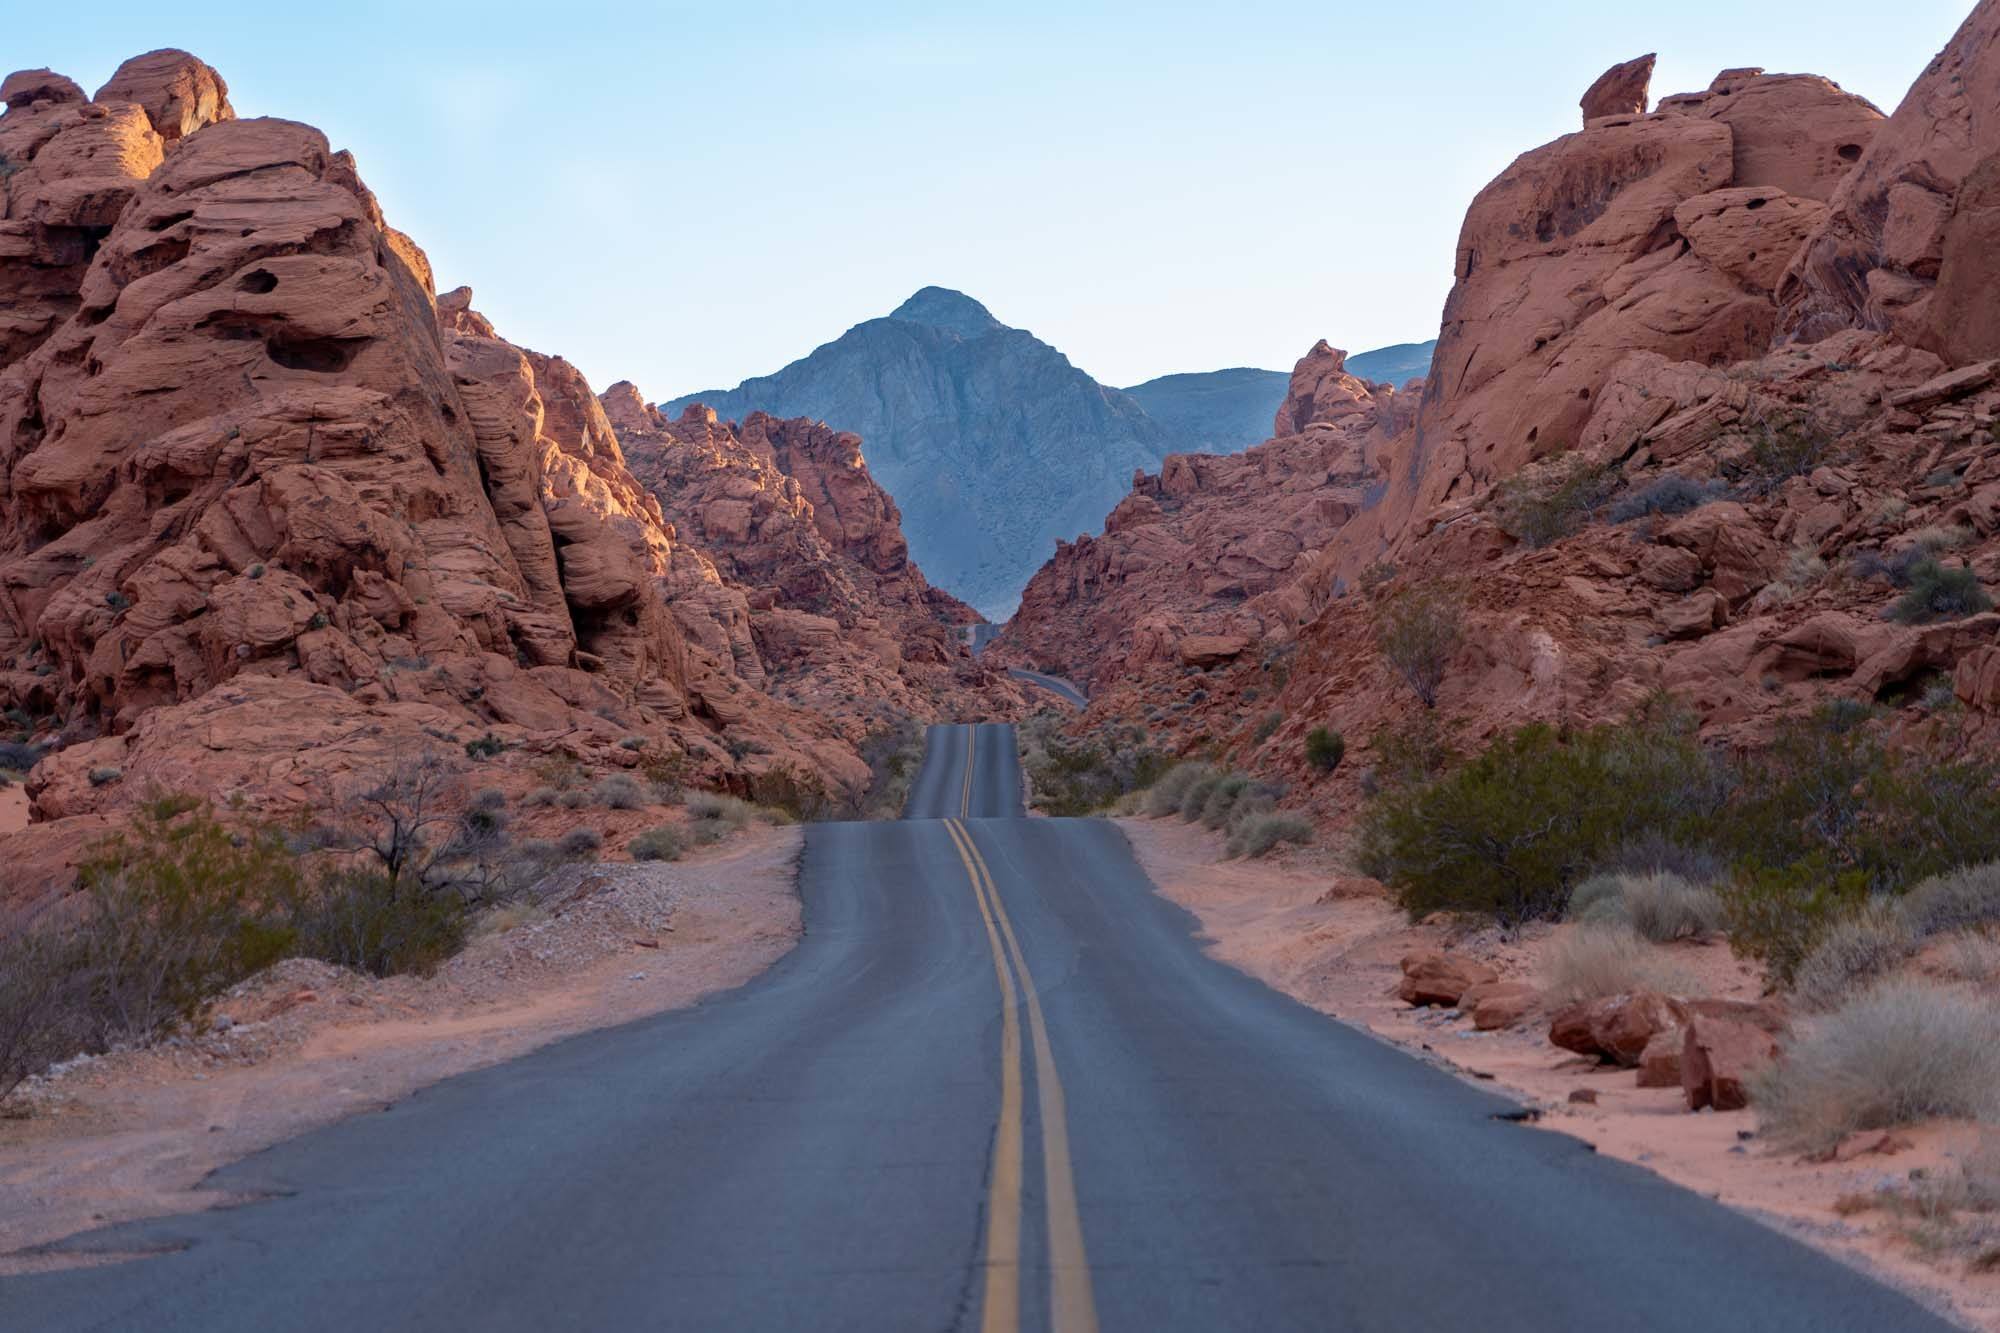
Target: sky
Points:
(685, 195)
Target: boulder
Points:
(1620, 90)
(1209, 650)
(1719, 1058)
(28, 86)
(1433, 977)
(1692, 617)
(1616, 1028)
(1660, 1062)
(179, 93)
(1499, 1004)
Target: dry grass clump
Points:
(1598, 959)
(660, 844)
(1164, 797)
(1852, 953)
(1966, 899)
(1657, 904)
(1256, 834)
(716, 815)
(619, 792)
(1901, 1052)
(1949, 1215)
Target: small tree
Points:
(1417, 630)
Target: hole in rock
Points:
(1849, 152)
(258, 281)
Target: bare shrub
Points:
(1595, 960)
(1672, 494)
(717, 815)
(619, 792)
(1417, 630)
(581, 842)
(1852, 953)
(1959, 900)
(1195, 799)
(1894, 1055)
(1222, 799)
(1164, 797)
(660, 844)
(1258, 834)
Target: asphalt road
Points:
(1055, 685)
(996, 1086)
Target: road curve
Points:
(1056, 685)
(997, 1086)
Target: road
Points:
(997, 1085)
(1055, 685)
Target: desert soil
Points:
(1303, 926)
(13, 809)
(133, 1134)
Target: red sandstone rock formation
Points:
(793, 566)
(271, 511)
(1213, 547)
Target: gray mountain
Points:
(992, 443)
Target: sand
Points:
(1334, 942)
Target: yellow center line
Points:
(1072, 1306)
(1001, 1309)
(971, 745)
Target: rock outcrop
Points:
(272, 511)
(1620, 90)
(1907, 244)
(1213, 548)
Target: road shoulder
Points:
(1334, 943)
(133, 1134)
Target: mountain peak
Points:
(943, 308)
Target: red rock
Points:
(1719, 1057)
(1499, 1004)
(1620, 90)
(1877, 261)
(1692, 617)
(178, 92)
(1660, 1062)
(1616, 1028)
(1207, 650)
(26, 87)
(1432, 977)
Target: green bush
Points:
(660, 844)
(1940, 592)
(1540, 507)
(1267, 726)
(1510, 833)
(1776, 914)
(1082, 775)
(368, 921)
(796, 791)
(1325, 749)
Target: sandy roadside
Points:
(13, 809)
(1334, 943)
(133, 1134)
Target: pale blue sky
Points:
(685, 195)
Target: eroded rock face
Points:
(1905, 247)
(1211, 552)
(792, 566)
(272, 511)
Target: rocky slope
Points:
(993, 444)
(1765, 294)
(793, 567)
(271, 512)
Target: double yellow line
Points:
(1072, 1308)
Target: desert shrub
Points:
(660, 844)
(1222, 798)
(540, 796)
(1164, 796)
(619, 792)
(716, 815)
(1852, 952)
(1782, 448)
(580, 842)
(894, 754)
(1540, 507)
(1267, 726)
(45, 1000)
(668, 775)
(1656, 905)
(1670, 495)
(1898, 1053)
(1417, 629)
(632, 743)
(1079, 775)
(1596, 959)
(573, 799)
(1511, 832)
(1939, 592)
(19, 758)
(1777, 914)
(484, 747)
(1652, 851)
(1892, 567)
(1967, 899)
(370, 921)
(1408, 754)
(800, 794)
(1257, 834)
(104, 777)
(1325, 749)
(1195, 799)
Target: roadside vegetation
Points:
(1069, 776)
(187, 900)
(1235, 804)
